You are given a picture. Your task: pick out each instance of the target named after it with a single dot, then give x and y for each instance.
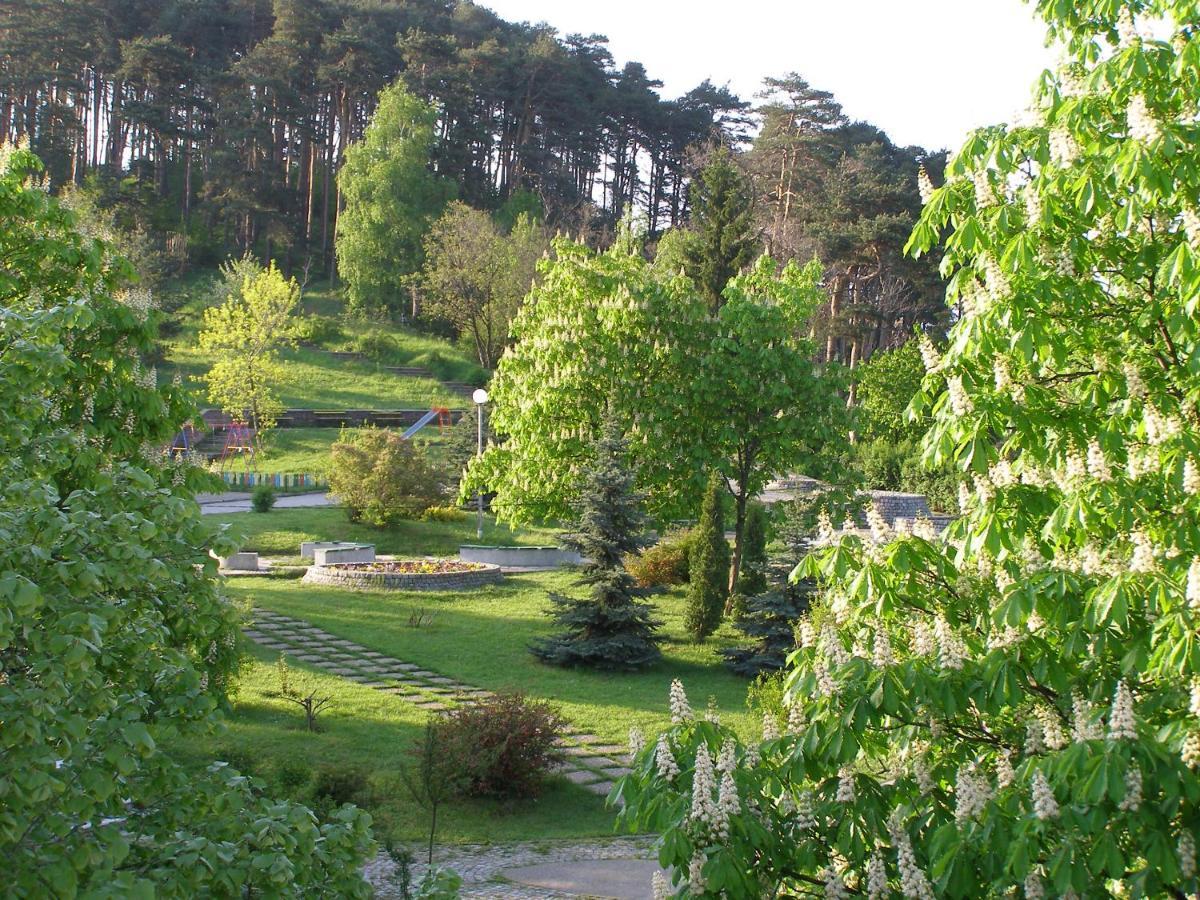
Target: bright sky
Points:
(926, 71)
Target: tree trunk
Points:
(739, 528)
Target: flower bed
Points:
(429, 574)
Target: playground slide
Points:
(423, 421)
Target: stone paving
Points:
(497, 871)
(589, 761)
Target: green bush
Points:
(316, 329)
(262, 498)
(338, 785)
(378, 346)
(889, 465)
(443, 514)
(664, 563)
(381, 478)
(293, 776)
(503, 746)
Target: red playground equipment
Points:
(239, 443)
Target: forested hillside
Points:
(211, 128)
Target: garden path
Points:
(590, 761)
(616, 868)
(239, 501)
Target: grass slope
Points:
(369, 732)
(483, 637)
(280, 532)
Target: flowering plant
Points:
(1013, 706)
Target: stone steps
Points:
(589, 760)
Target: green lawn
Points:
(370, 732)
(482, 637)
(316, 379)
(307, 449)
(280, 532)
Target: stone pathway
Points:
(589, 761)
(239, 501)
(612, 868)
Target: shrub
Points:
(338, 785)
(382, 478)
(708, 585)
(378, 346)
(315, 329)
(443, 514)
(664, 563)
(262, 498)
(502, 746)
(293, 776)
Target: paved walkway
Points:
(239, 501)
(616, 868)
(590, 762)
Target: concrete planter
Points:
(343, 553)
(519, 557)
(245, 561)
(358, 578)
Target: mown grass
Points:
(307, 449)
(368, 732)
(313, 378)
(482, 637)
(281, 531)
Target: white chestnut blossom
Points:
(1190, 754)
(696, 874)
(806, 637)
(806, 819)
(923, 643)
(929, 355)
(637, 741)
(1194, 698)
(770, 727)
(1033, 887)
(826, 686)
(831, 645)
(1097, 463)
(727, 758)
(1085, 723)
(1044, 805)
(1121, 723)
(882, 654)
(664, 759)
(1033, 204)
(1064, 149)
(877, 886)
(1034, 742)
(1127, 33)
(845, 786)
(1191, 225)
(923, 528)
(951, 650)
(706, 815)
(1191, 477)
(881, 532)
(1187, 855)
(924, 185)
(1052, 732)
(1004, 770)
(913, 883)
(835, 888)
(1135, 387)
(971, 794)
(658, 884)
(960, 403)
(1143, 127)
(985, 196)
(922, 775)
(1133, 790)
(1142, 560)
(796, 721)
(1192, 591)
(681, 710)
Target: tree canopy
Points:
(114, 634)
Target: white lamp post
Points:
(480, 396)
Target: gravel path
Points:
(499, 870)
(239, 501)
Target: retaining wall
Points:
(402, 581)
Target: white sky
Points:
(926, 71)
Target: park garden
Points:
(745, 657)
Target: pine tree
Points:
(752, 580)
(769, 620)
(708, 568)
(611, 628)
(723, 238)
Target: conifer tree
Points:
(708, 568)
(612, 628)
(752, 580)
(723, 237)
(769, 621)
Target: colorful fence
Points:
(282, 480)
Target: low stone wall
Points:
(358, 580)
(519, 557)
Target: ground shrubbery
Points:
(503, 746)
(381, 478)
(664, 563)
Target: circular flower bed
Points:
(429, 574)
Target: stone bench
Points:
(343, 553)
(519, 557)
(245, 561)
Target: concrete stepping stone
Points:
(433, 705)
(617, 772)
(374, 654)
(580, 777)
(310, 658)
(421, 673)
(600, 788)
(442, 679)
(406, 667)
(597, 762)
(341, 670)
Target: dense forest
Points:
(217, 127)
